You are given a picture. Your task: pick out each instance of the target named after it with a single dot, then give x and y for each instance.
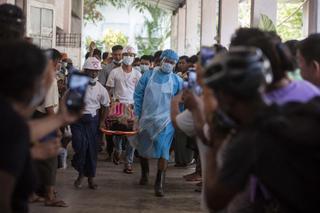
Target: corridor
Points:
(119, 193)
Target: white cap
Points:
(129, 49)
(92, 63)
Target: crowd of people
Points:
(246, 116)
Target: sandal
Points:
(116, 158)
(55, 203)
(128, 169)
(194, 178)
(92, 185)
(189, 175)
(37, 199)
(78, 183)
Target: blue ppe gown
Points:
(152, 98)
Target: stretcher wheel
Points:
(120, 133)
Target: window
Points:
(41, 26)
(244, 13)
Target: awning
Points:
(171, 5)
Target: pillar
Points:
(229, 20)
(181, 38)
(259, 7)
(208, 22)
(192, 36)
(311, 17)
(174, 32)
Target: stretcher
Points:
(118, 133)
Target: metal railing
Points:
(68, 40)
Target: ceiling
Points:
(167, 4)
(172, 5)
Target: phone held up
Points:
(78, 84)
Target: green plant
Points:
(157, 27)
(290, 21)
(266, 23)
(112, 38)
(93, 15)
(157, 31)
(99, 43)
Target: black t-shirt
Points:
(15, 155)
(283, 153)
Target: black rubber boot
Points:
(144, 171)
(159, 185)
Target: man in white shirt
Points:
(47, 168)
(121, 85)
(86, 131)
(103, 77)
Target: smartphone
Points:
(206, 55)
(78, 84)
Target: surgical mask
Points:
(128, 60)
(167, 68)
(93, 81)
(117, 62)
(144, 68)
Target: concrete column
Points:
(208, 22)
(229, 20)
(192, 37)
(181, 38)
(67, 16)
(174, 32)
(311, 17)
(259, 7)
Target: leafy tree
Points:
(290, 21)
(99, 44)
(157, 27)
(92, 14)
(157, 31)
(112, 38)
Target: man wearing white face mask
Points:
(152, 98)
(145, 63)
(121, 84)
(85, 131)
(106, 69)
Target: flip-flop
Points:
(189, 175)
(128, 171)
(56, 203)
(77, 184)
(93, 186)
(37, 199)
(194, 178)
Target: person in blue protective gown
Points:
(152, 99)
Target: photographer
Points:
(20, 93)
